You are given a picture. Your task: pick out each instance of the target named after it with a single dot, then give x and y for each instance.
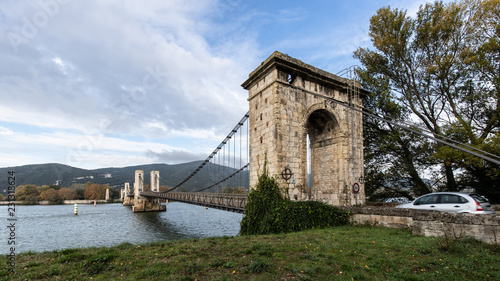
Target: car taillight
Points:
(478, 206)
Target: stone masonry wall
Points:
(284, 110)
(484, 228)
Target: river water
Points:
(46, 228)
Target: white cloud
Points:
(84, 150)
(5, 132)
(144, 76)
(96, 60)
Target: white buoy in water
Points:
(76, 208)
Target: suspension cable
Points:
(351, 74)
(365, 111)
(423, 129)
(221, 145)
(225, 179)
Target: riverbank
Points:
(343, 253)
(64, 202)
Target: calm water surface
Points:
(47, 228)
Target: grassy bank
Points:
(343, 253)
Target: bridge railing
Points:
(224, 201)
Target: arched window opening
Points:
(309, 171)
(320, 130)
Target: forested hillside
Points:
(170, 175)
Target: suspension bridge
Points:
(291, 109)
(305, 122)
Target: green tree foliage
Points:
(443, 66)
(29, 193)
(47, 187)
(44, 188)
(402, 152)
(80, 190)
(51, 195)
(67, 193)
(114, 193)
(260, 207)
(95, 191)
(267, 211)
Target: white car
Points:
(454, 202)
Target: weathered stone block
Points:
(484, 228)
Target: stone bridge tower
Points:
(287, 110)
(126, 197)
(155, 181)
(138, 187)
(142, 202)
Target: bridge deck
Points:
(223, 201)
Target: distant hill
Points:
(170, 175)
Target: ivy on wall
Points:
(267, 211)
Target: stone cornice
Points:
(296, 67)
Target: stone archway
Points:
(321, 127)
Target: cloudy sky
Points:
(115, 83)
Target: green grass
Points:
(342, 253)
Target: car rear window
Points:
(478, 198)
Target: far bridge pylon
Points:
(140, 203)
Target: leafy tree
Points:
(29, 193)
(67, 193)
(80, 190)
(402, 152)
(482, 56)
(51, 195)
(113, 193)
(47, 187)
(95, 191)
(44, 188)
(443, 66)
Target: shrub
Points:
(296, 216)
(267, 211)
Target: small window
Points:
(431, 199)
(452, 199)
